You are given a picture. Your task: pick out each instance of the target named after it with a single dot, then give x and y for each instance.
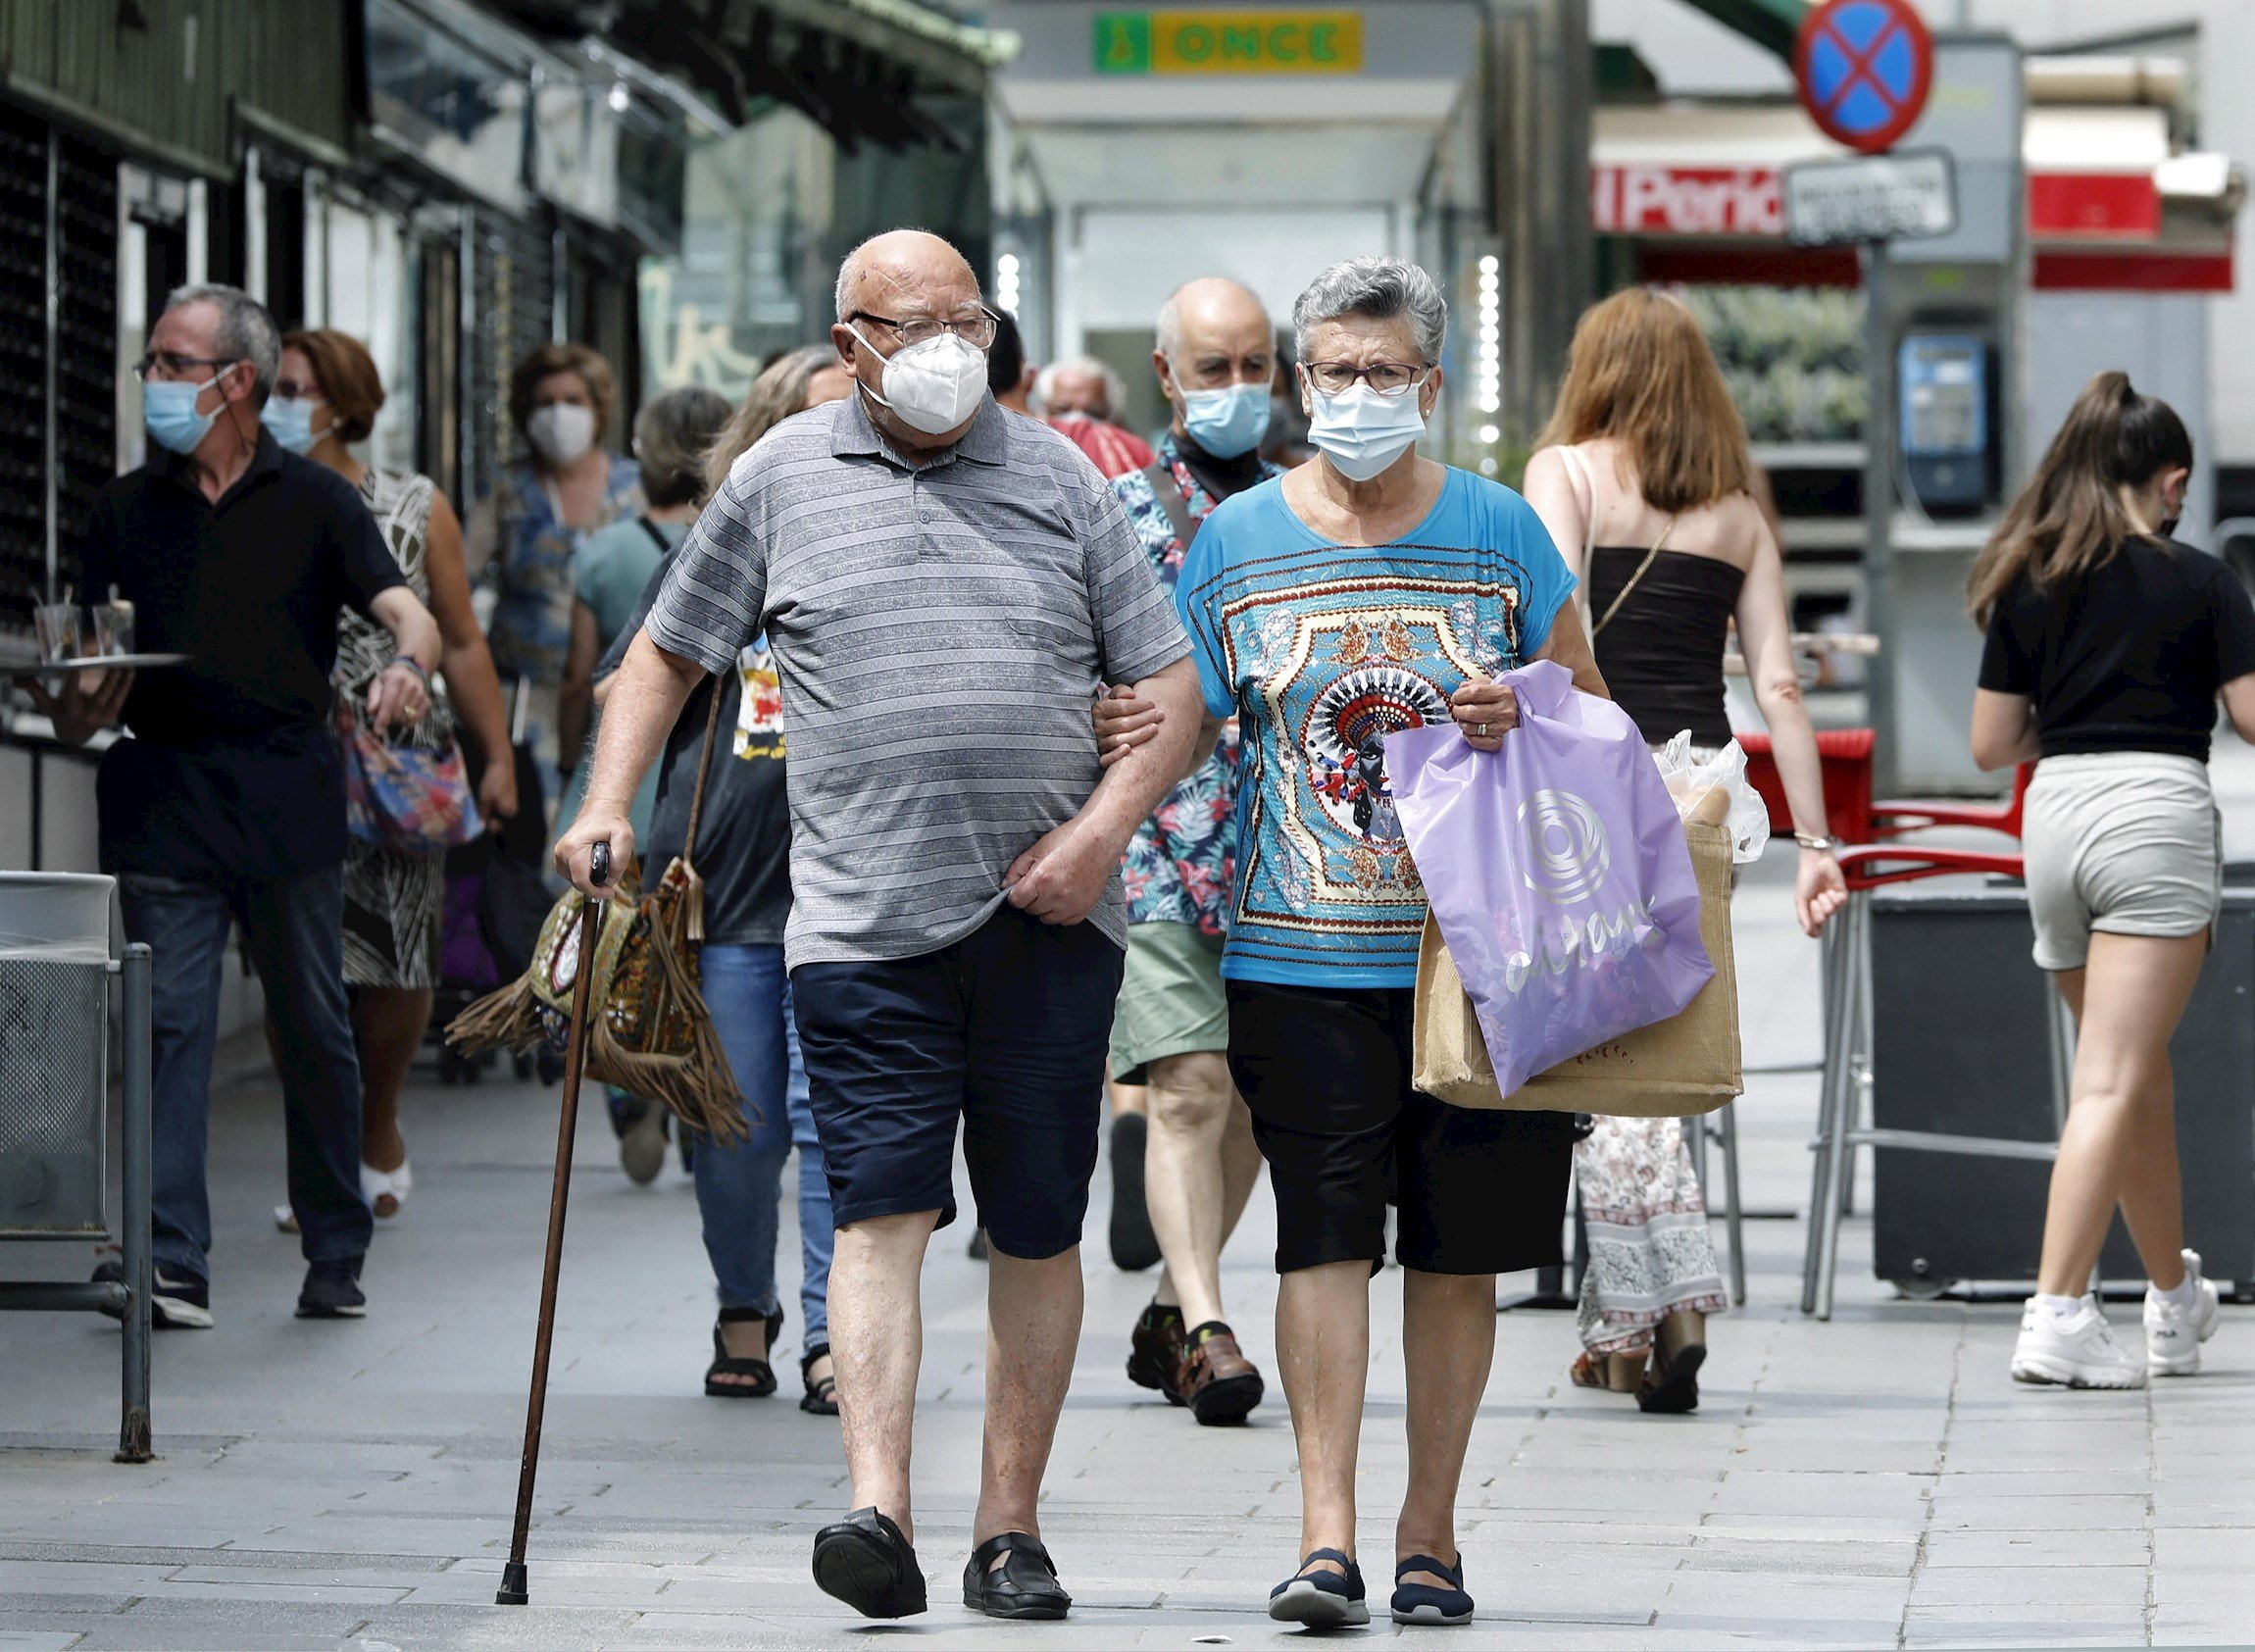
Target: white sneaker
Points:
(2172, 1334)
(2077, 1352)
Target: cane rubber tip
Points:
(513, 1590)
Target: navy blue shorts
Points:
(1007, 1030)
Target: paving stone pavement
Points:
(1871, 1483)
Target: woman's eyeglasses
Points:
(1388, 378)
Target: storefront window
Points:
(458, 108)
(749, 282)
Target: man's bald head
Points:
(1210, 304)
(905, 268)
(1213, 333)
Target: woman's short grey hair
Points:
(670, 435)
(1380, 288)
(246, 332)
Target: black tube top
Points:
(1662, 654)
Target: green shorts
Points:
(1171, 1001)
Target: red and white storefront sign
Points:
(1647, 200)
(2095, 199)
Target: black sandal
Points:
(726, 1364)
(1671, 1388)
(1024, 1585)
(821, 1396)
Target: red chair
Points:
(1894, 818)
(1846, 758)
(1847, 1069)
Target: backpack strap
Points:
(1168, 493)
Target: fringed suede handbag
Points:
(650, 1032)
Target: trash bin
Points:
(54, 1054)
(55, 972)
(1959, 1046)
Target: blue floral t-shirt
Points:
(1322, 651)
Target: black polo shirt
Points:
(232, 769)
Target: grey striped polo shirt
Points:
(938, 631)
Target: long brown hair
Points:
(1640, 372)
(779, 391)
(2068, 520)
(348, 379)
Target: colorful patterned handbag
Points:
(650, 1032)
(403, 797)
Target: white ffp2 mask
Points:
(561, 431)
(936, 386)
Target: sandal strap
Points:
(1313, 1555)
(1027, 1571)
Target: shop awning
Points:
(2108, 205)
(860, 69)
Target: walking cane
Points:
(513, 1590)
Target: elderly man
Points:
(943, 586)
(1216, 362)
(226, 807)
(1084, 397)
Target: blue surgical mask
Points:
(291, 420)
(1227, 422)
(169, 411)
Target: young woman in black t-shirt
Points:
(2108, 646)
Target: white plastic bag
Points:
(1718, 794)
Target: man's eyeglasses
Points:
(978, 331)
(168, 364)
(1388, 378)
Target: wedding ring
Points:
(1481, 730)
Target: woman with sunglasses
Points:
(1372, 590)
(325, 399)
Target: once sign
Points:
(1863, 68)
(1228, 42)
(1871, 198)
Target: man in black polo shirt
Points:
(227, 803)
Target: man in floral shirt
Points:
(1216, 361)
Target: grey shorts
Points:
(2120, 843)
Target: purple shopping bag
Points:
(1557, 872)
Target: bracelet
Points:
(1821, 845)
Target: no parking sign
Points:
(1863, 68)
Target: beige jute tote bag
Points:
(1686, 1064)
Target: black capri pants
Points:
(1327, 1074)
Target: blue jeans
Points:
(293, 927)
(739, 1188)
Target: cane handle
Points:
(599, 863)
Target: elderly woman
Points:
(744, 851)
(1369, 591)
(561, 399)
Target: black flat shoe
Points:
(1024, 1585)
(1322, 1600)
(1423, 1603)
(726, 1364)
(863, 1561)
(821, 1396)
(1671, 1387)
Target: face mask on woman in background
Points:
(561, 431)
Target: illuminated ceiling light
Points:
(1490, 435)
(620, 97)
(1488, 264)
